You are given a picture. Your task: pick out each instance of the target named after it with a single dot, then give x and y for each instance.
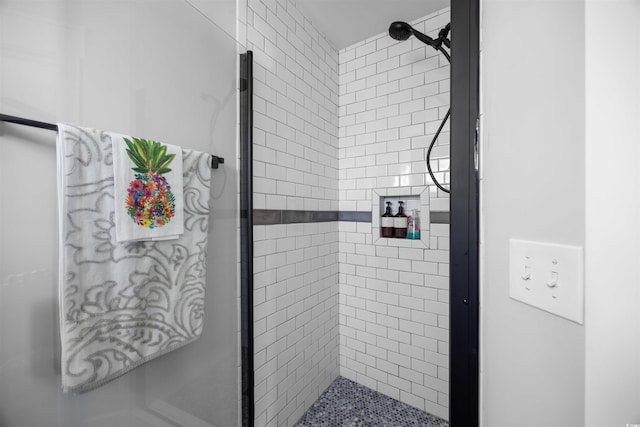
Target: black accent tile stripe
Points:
(296, 217)
(327, 216)
(277, 216)
(267, 217)
(354, 216)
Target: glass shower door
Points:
(160, 70)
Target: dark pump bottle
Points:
(387, 222)
(400, 223)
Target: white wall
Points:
(538, 370)
(160, 71)
(532, 187)
(612, 322)
(394, 293)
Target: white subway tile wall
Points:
(329, 127)
(394, 307)
(295, 318)
(295, 110)
(295, 167)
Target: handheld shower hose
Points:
(402, 31)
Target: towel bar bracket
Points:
(215, 161)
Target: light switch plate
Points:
(548, 276)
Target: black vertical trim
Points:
(464, 294)
(246, 235)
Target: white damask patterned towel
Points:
(122, 304)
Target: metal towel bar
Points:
(215, 160)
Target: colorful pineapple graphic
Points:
(150, 202)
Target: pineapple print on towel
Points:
(150, 201)
(149, 197)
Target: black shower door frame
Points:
(464, 381)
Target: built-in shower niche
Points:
(413, 198)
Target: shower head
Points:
(400, 30)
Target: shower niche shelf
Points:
(413, 198)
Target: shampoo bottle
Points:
(400, 223)
(386, 222)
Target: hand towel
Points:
(122, 304)
(148, 189)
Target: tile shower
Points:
(393, 292)
(334, 131)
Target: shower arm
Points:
(436, 43)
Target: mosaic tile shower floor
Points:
(346, 403)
